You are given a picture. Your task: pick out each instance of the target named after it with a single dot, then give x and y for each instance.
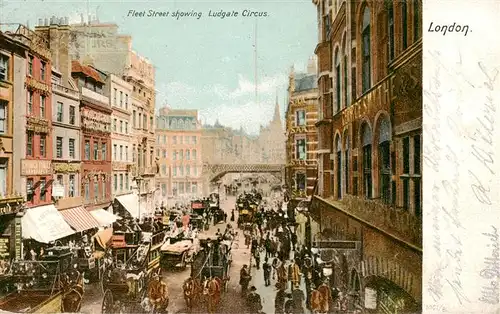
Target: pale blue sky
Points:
(205, 63)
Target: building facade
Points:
(120, 93)
(302, 135)
(95, 113)
(369, 164)
(272, 140)
(178, 151)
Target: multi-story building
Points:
(178, 150)
(369, 165)
(95, 113)
(12, 90)
(33, 121)
(120, 93)
(302, 136)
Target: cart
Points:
(178, 251)
(213, 260)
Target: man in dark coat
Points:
(267, 244)
(254, 301)
(267, 272)
(244, 279)
(279, 301)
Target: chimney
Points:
(46, 22)
(66, 21)
(40, 22)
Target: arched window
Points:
(346, 163)
(337, 79)
(366, 140)
(390, 23)
(366, 50)
(344, 49)
(188, 154)
(384, 161)
(404, 23)
(338, 145)
(174, 124)
(194, 154)
(181, 124)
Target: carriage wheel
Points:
(107, 302)
(183, 260)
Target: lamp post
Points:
(138, 181)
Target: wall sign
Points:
(370, 299)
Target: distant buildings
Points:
(179, 153)
(302, 135)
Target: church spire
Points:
(276, 116)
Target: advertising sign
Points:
(57, 190)
(370, 299)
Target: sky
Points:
(206, 63)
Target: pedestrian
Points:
(257, 259)
(289, 304)
(279, 301)
(232, 214)
(267, 272)
(218, 234)
(294, 274)
(255, 245)
(298, 300)
(275, 264)
(225, 217)
(254, 301)
(244, 279)
(267, 244)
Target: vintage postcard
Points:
(246, 157)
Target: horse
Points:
(72, 294)
(212, 289)
(191, 290)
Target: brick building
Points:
(178, 151)
(302, 136)
(95, 112)
(369, 165)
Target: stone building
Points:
(179, 153)
(302, 136)
(369, 165)
(95, 113)
(272, 140)
(120, 93)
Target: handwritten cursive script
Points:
(491, 271)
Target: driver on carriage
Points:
(158, 293)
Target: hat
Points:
(252, 288)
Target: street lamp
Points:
(138, 181)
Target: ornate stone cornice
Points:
(62, 167)
(40, 86)
(37, 124)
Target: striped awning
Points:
(80, 219)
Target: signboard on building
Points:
(32, 167)
(57, 190)
(370, 299)
(342, 245)
(4, 247)
(18, 237)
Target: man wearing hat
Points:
(279, 301)
(254, 302)
(245, 278)
(158, 293)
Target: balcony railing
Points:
(397, 222)
(65, 90)
(103, 100)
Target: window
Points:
(103, 187)
(126, 101)
(346, 164)
(104, 155)
(416, 154)
(300, 150)
(338, 144)
(126, 127)
(121, 99)
(181, 154)
(181, 170)
(194, 154)
(174, 155)
(87, 191)
(186, 139)
(121, 181)
(96, 150)
(72, 115)
(30, 65)
(126, 182)
(163, 189)
(96, 188)
(193, 139)
(115, 152)
(367, 160)
(30, 102)
(366, 42)
(121, 126)
(164, 153)
(406, 193)
(151, 124)
(300, 179)
(188, 153)
(115, 183)
(30, 193)
(29, 143)
(158, 152)
(390, 15)
(121, 152)
(43, 189)
(164, 139)
(134, 152)
(43, 145)
(404, 22)
(417, 197)
(87, 150)
(71, 148)
(346, 103)
(175, 171)
(126, 153)
(188, 170)
(59, 179)
(114, 96)
(180, 137)
(42, 70)
(144, 121)
(300, 117)
(3, 177)
(115, 121)
(337, 80)
(59, 147)
(59, 116)
(164, 169)
(416, 20)
(71, 185)
(406, 155)
(195, 171)
(384, 153)
(134, 122)
(174, 139)
(3, 117)
(42, 106)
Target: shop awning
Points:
(103, 237)
(80, 219)
(131, 204)
(103, 217)
(44, 224)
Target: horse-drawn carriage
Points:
(209, 274)
(247, 205)
(126, 285)
(178, 250)
(42, 288)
